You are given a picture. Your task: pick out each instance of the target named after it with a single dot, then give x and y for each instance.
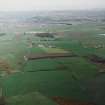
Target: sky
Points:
(28, 5)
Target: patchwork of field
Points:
(69, 78)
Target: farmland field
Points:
(54, 50)
(78, 79)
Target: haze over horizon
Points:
(29, 5)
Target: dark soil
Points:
(63, 101)
(47, 55)
(95, 59)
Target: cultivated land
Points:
(78, 79)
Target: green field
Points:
(63, 77)
(54, 50)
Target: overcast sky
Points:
(17, 5)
